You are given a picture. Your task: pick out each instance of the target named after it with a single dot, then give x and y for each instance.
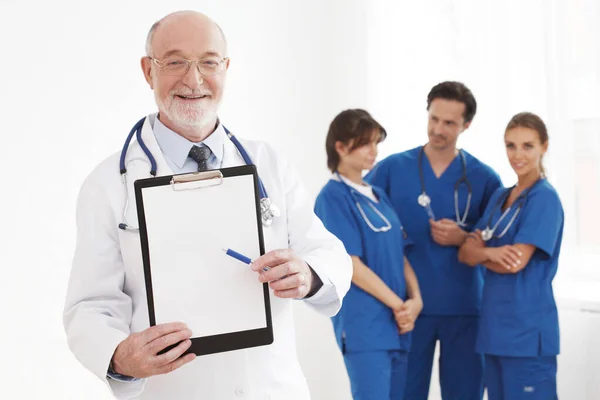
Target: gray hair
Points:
(150, 36)
(154, 26)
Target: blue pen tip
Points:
(224, 250)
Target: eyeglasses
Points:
(176, 66)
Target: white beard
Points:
(186, 115)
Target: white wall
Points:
(71, 87)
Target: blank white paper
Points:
(193, 280)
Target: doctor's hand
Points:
(446, 232)
(289, 277)
(407, 315)
(507, 256)
(476, 239)
(137, 356)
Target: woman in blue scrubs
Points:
(373, 325)
(518, 241)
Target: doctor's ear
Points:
(341, 148)
(146, 63)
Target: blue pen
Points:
(242, 258)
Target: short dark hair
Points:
(457, 91)
(356, 126)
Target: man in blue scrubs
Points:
(428, 190)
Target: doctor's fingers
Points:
(447, 223)
(156, 331)
(438, 227)
(178, 363)
(434, 224)
(476, 238)
(165, 341)
(440, 238)
(281, 271)
(172, 357)
(405, 328)
(443, 223)
(511, 255)
(445, 228)
(289, 282)
(404, 316)
(296, 293)
(272, 259)
(505, 261)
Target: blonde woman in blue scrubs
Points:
(518, 240)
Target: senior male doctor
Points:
(106, 314)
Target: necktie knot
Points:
(200, 154)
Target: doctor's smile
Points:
(192, 97)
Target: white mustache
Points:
(190, 93)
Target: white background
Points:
(71, 88)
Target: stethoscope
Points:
(488, 232)
(425, 201)
(268, 211)
(387, 225)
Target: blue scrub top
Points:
(518, 313)
(448, 287)
(364, 323)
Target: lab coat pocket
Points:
(131, 251)
(275, 236)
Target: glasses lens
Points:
(210, 66)
(180, 66)
(174, 66)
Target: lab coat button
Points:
(239, 391)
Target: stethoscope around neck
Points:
(387, 224)
(268, 211)
(489, 231)
(425, 201)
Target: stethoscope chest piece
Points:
(487, 234)
(424, 200)
(490, 230)
(268, 211)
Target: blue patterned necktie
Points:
(200, 154)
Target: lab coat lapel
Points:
(231, 155)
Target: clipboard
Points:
(185, 222)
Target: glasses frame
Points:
(161, 65)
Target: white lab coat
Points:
(106, 297)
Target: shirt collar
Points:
(176, 147)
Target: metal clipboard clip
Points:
(196, 180)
